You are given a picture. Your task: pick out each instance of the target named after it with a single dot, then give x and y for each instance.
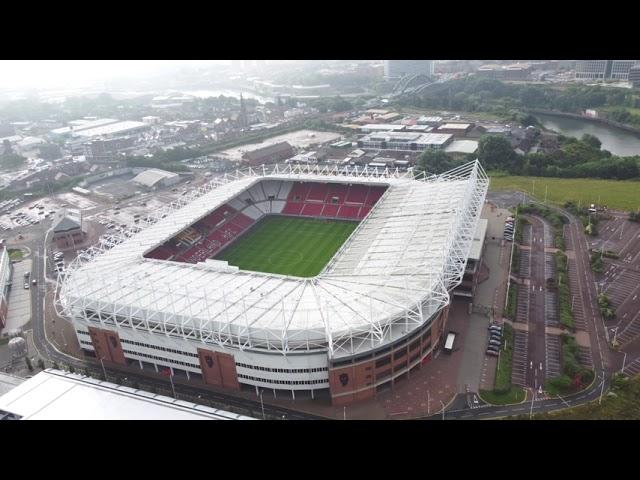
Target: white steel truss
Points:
(392, 275)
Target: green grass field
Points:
(299, 247)
(615, 194)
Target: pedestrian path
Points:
(19, 301)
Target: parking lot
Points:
(520, 357)
(19, 301)
(549, 266)
(525, 263)
(551, 308)
(553, 353)
(522, 310)
(576, 296)
(526, 234)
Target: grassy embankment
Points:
(615, 194)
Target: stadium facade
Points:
(376, 312)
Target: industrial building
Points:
(405, 141)
(375, 314)
(381, 127)
(269, 154)
(400, 68)
(58, 395)
(515, 72)
(101, 151)
(154, 178)
(457, 129)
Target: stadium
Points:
(304, 280)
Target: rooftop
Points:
(111, 128)
(462, 146)
(409, 251)
(57, 395)
(455, 126)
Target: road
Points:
(149, 381)
(600, 352)
(536, 322)
(528, 407)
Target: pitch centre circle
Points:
(288, 258)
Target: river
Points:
(617, 141)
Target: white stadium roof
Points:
(391, 275)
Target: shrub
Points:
(561, 383)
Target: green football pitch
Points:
(294, 246)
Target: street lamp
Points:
(104, 371)
(624, 360)
(262, 405)
(442, 403)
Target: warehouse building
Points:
(269, 154)
(405, 141)
(154, 178)
(457, 129)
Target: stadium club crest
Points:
(344, 379)
(209, 361)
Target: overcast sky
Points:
(73, 73)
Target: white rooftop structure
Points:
(111, 129)
(392, 273)
(455, 126)
(151, 177)
(83, 124)
(424, 120)
(57, 395)
(382, 127)
(462, 146)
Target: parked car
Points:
(26, 286)
(493, 353)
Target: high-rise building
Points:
(604, 69)
(400, 68)
(591, 69)
(620, 69)
(634, 76)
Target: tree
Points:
(41, 364)
(591, 140)
(435, 161)
(72, 369)
(55, 365)
(28, 361)
(495, 153)
(11, 161)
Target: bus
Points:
(448, 344)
